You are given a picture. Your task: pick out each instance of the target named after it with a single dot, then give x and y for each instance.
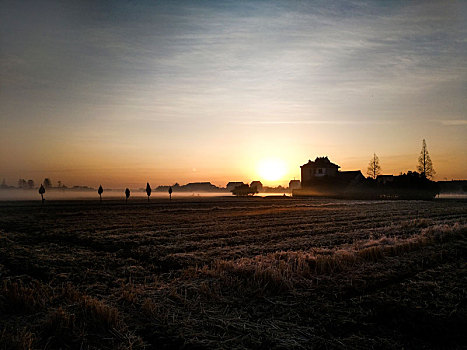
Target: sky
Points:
(125, 92)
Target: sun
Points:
(272, 169)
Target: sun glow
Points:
(272, 169)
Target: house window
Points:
(320, 171)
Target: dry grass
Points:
(233, 274)
(289, 270)
(16, 339)
(17, 297)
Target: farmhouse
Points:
(322, 170)
(322, 166)
(322, 178)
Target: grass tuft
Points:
(283, 271)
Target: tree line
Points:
(424, 167)
(100, 191)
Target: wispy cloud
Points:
(146, 68)
(455, 122)
(316, 122)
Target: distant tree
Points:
(243, 191)
(41, 192)
(374, 169)
(22, 183)
(47, 183)
(127, 194)
(148, 190)
(31, 184)
(170, 193)
(425, 166)
(99, 191)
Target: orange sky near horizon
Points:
(123, 93)
(120, 167)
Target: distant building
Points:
(384, 179)
(295, 185)
(351, 177)
(189, 187)
(321, 167)
(323, 171)
(258, 185)
(231, 185)
(199, 187)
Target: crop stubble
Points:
(233, 273)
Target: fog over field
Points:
(9, 195)
(22, 195)
(26, 195)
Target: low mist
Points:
(15, 195)
(26, 195)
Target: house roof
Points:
(320, 162)
(349, 175)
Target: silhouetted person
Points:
(42, 191)
(148, 190)
(127, 194)
(170, 193)
(100, 190)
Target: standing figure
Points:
(127, 194)
(170, 193)
(100, 190)
(42, 191)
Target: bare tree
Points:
(47, 183)
(22, 183)
(41, 192)
(425, 166)
(148, 190)
(374, 169)
(127, 194)
(99, 191)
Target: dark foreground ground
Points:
(232, 273)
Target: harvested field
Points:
(229, 273)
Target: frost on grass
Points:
(285, 270)
(233, 274)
